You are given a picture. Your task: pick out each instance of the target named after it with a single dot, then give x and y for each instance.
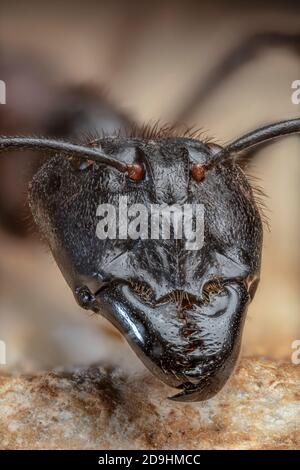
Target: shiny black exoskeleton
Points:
(181, 310)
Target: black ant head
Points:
(181, 304)
(163, 237)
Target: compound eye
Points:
(81, 164)
(198, 172)
(135, 171)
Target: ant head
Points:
(180, 298)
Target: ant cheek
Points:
(54, 183)
(42, 189)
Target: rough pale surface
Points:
(97, 408)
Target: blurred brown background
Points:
(150, 57)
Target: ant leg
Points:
(233, 61)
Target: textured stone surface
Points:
(97, 408)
